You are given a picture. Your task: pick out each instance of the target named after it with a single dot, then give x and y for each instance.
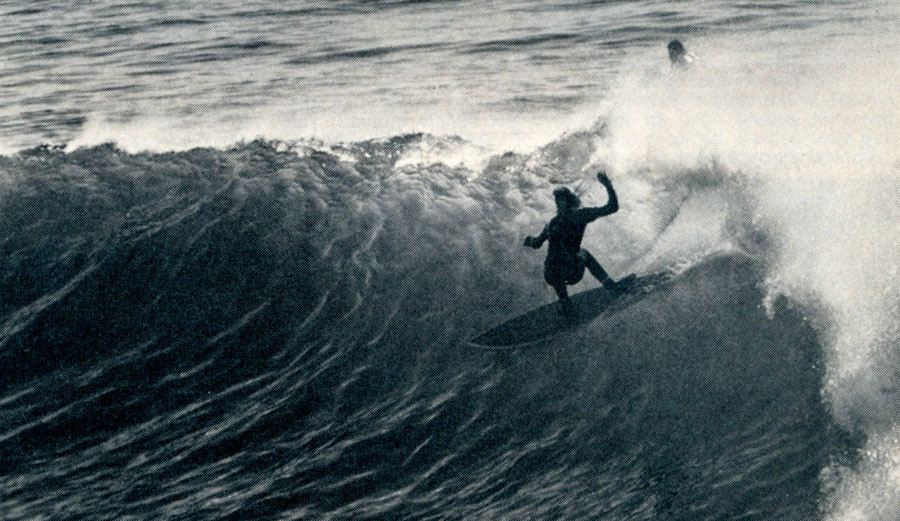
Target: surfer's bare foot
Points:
(619, 287)
(613, 286)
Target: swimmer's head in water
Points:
(676, 50)
(565, 199)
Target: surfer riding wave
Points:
(566, 259)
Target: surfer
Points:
(679, 55)
(566, 259)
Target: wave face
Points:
(276, 329)
(273, 332)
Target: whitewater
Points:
(244, 247)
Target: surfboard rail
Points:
(544, 322)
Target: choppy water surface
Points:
(181, 74)
(198, 324)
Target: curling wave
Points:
(274, 330)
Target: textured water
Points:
(179, 74)
(256, 303)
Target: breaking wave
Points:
(278, 330)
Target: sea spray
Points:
(818, 144)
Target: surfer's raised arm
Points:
(612, 206)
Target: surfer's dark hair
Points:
(566, 194)
(676, 46)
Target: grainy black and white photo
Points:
(449, 260)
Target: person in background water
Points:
(679, 55)
(566, 259)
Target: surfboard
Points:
(546, 321)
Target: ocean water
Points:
(244, 245)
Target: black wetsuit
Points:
(566, 260)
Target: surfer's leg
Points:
(565, 305)
(596, 269)
(561, 292)
(556, 279)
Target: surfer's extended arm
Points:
(536, 242)
(612, 206)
